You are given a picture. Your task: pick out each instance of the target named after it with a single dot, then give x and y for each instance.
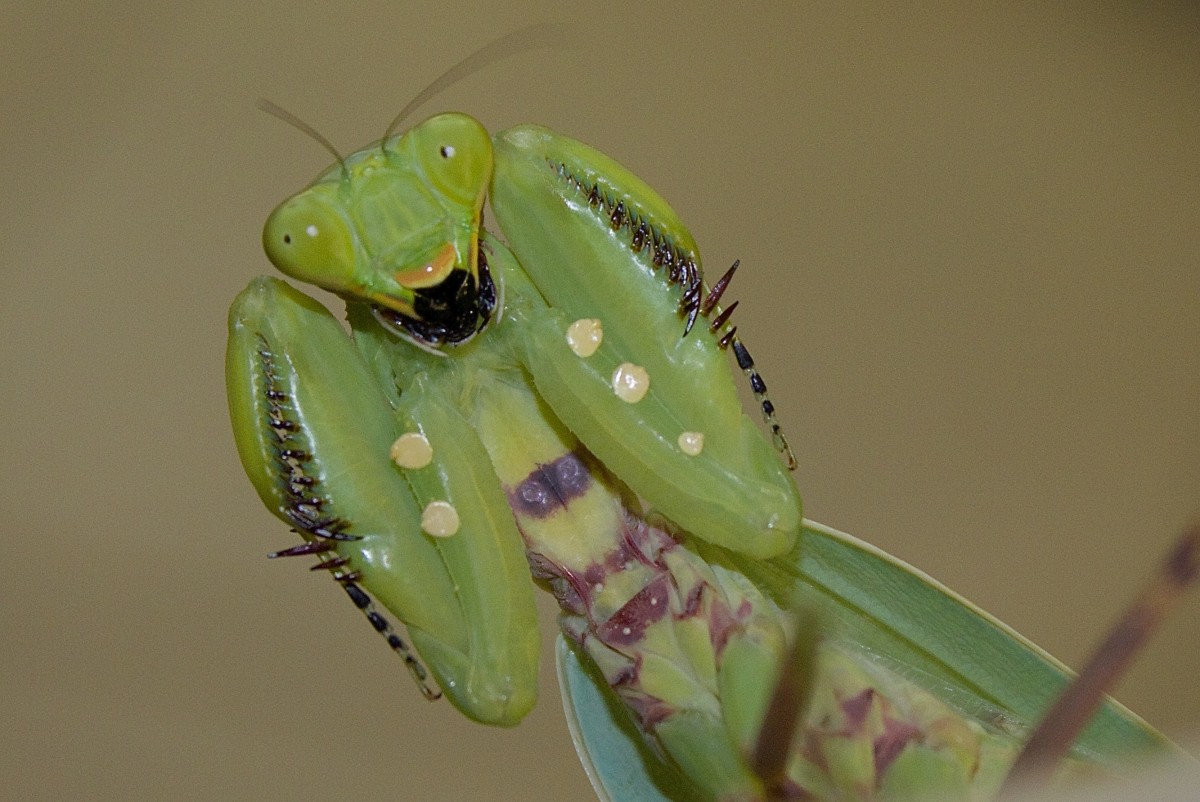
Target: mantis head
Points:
(397, 225)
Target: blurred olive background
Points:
(970, 252)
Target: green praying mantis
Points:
(561, 406)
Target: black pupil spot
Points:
(446, 151)
(287, 239)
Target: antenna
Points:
(281, 113)
(521, 40)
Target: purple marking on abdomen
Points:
(550, 487)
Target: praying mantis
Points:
(560, 406)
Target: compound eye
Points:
(308, 241)
(455, 154)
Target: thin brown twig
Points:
(1072, 711)
(769, 758)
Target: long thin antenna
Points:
(521, 40)
(281, 113)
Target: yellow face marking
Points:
(439, 519)
(432, 272)
(411, 450)
(691, 443)
(584, 336)
(630, 382)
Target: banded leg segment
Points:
(759, 388)
(728, 336)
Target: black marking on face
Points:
(550, 487)
(451, 311)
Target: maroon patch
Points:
(887, 747)
(721, 624)
(649, 710)
(625, 554)
(628, 676)
(855, 710)
(628, 625)
(691, 606)
(594, 574)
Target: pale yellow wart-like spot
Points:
(412, 450)
(584, 336)
(630, 382)
(439, 519)
(691, 443)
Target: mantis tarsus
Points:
(512, 405)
